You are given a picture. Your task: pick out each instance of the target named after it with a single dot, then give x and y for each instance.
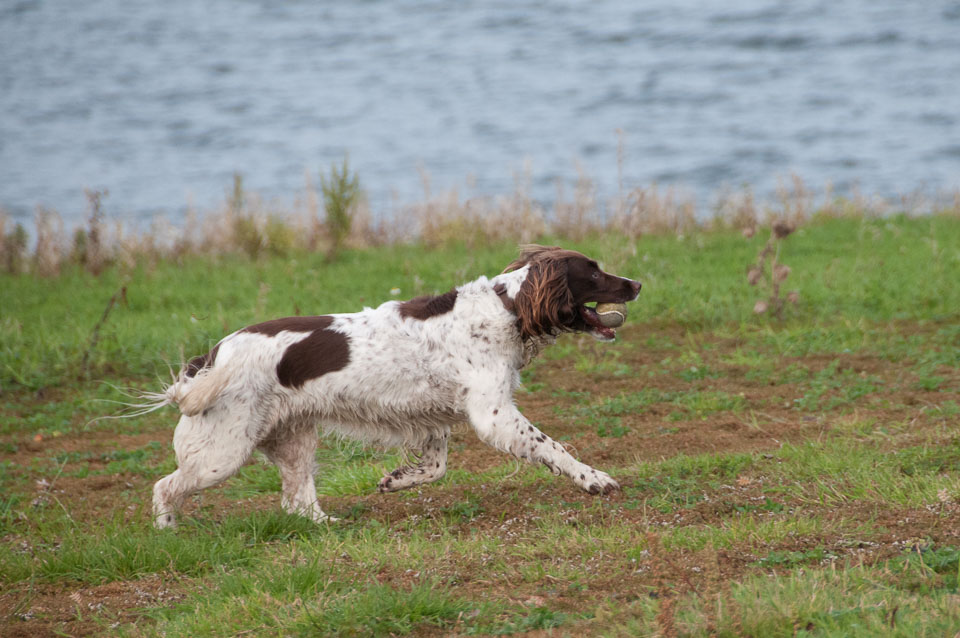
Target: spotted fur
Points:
(399, 375)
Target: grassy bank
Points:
(780, 475)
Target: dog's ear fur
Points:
(544, 302)
(529, 253)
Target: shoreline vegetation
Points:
(336, 216)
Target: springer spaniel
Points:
(398, 375)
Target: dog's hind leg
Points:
(292, 447)
(431, 467)
(210, 448)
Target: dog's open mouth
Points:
(592, 319)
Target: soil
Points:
(39, 610)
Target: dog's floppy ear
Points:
(544, 302)
(528, 254)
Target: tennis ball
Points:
(612, 315)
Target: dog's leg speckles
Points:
(527, 442)
(431, 467)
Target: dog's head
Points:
(560, 283)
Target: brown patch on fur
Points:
(425, 307)
(322, 352)
(544, 303)
(507, 302)
(294, 324)
(197, 364)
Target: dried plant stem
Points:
(95, 333)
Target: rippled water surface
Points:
(161, 102)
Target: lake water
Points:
(161, 102)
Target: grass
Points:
(311, 601)
(779, 477)
(849, 602)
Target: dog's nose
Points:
(636, 285)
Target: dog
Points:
(399, 375)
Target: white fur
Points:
(407, 382)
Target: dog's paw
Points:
(403, 478)
(394, 482)
(596, 482)
(386, 485)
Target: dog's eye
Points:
(596, 275)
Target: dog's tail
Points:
(195, 394)
(192, 394)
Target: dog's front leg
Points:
(499, 423)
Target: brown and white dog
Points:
(398, 375)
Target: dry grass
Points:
(246, 224)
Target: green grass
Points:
(685, 405)
(312, 601)
(853, 601)
(791, 559)
(832, 512)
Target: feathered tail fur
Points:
(192, 395)
(195, 394)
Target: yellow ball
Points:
(612, 315)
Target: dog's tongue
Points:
(591, 317)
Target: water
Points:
(161, 102)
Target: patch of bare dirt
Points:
(30, 445)
(39, 611)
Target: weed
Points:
(341, 192)
(88, 245)
(947, 409)
(8, 510)
(14, 251)
(612, 428)
(919, 563)
(767, 506)
(537, 618)
(929, 383)
(768, 271)
(465, 510)
(935, 459)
